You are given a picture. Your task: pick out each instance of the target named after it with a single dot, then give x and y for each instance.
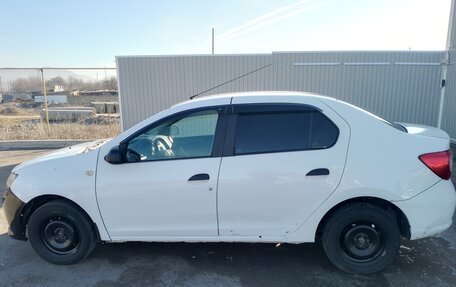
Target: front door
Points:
(167, 187)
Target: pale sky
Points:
(91, 33)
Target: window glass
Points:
(324, 132)
(288, 131)
(185, 137)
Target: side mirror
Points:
(114, 156)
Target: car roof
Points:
(207, 100)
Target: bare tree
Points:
(32, 84)
(111, 83)
(25, 85)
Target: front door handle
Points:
(318, 171)
(199, 176)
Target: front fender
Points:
(72, 177)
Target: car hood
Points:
(423, 130)
(64, 152)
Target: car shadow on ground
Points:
(422, 261)
(426, 262)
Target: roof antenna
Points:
(229, 81)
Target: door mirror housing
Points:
(114, 156)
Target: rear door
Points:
(281, 162)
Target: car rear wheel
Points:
(361, 238)
(60, 233)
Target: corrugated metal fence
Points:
(399, 86)
(449, 103)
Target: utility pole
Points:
(212, 41)
(1, 86)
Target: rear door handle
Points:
(318, 171)
(199, 176)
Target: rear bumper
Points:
(12, 207)
(431, 211)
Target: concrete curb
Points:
(38, 144)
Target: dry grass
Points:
(13, 110)
(19, 123)
(14, 128)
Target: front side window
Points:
(183, 137)
(283, 131)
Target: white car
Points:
(274, 167)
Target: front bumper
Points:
(13, 208)
(431, 211)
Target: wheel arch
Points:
(38, 201)
(401, 218)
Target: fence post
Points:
(45, 102)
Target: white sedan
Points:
(274, 167)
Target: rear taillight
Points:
(439, 162)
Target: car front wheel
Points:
(361, 238)
(60, 233)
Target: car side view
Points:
(276, 167)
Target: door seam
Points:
(217, 197)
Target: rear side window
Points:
(285, 131)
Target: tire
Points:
(60, 233)
(361, 238)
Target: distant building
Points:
(58, 88)
(7, 98)
(19, 96)
(52, 99)
(74, 93)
